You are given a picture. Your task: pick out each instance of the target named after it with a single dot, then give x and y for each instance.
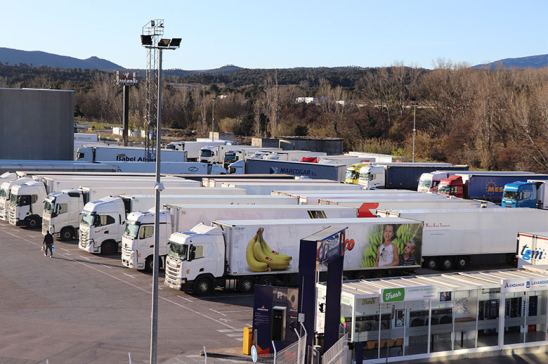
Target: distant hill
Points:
(539, 61)
(42, 59)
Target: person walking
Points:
(48, 244)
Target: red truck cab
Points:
(452, 186)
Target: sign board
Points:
(405, 294)
(524, 285)
(533, 249)
(126, 78)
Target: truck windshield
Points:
(132, 230)
(20, 200)
(510, 195)
(3, 193)
(206, 153)
(444, 189)
(49, 206)
(178, 250)
(87, 218)
(230, 157)
(425, 183)
(366, 176)
(352, 174)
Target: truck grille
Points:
(172, 274)
(12, 218)
(83, 239)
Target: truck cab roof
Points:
(103, 204)
(200, 229)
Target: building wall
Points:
(36, 124)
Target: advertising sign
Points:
(533, 249)
(523, 285)
(405, 294)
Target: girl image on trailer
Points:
(392, 245)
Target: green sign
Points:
(393, 295)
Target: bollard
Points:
(247, 341)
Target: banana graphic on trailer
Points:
(262, 258)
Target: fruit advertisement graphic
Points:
(262, 258)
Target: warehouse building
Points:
(36, 124)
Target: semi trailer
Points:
(334, 172)
(138, 238)
(239, 253)
(266, 188)
(95, 154)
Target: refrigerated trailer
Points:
(240, 253)
(459, 237)
(218, 182)
(138, 238)
(313, 198)
(259, 188)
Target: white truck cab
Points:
(101, 224)
(191, 253)
(26, 204)
(138, 239)
(61, 211)
(5, 194)
(371, 177)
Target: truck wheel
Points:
(66, 234)
(432, 263)
(245, 285)
(202, 286)
(33, 222)
(149, 264)
(109, 247)
(462, 262)
(447, 263)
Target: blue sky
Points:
(281, 33)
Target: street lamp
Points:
(147, 41)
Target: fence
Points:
(338, 353)
(291, 354)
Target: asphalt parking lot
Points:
(81, 308)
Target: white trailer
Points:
(313, 198)
(166, 167)
(193, 148)
(459, 237)
(126, 154)
(102, 222)
(62, 209)
(138, 238)
(240, 253)
(218, 182)
(267, 188)
(225, 199)
(372, 207)
(379, 158)
(293, 155)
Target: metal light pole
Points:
(163, 44)
(213, 119)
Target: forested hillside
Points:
(491, 119)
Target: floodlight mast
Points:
(150, 34)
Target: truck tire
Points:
(33, 222)
(447, 263)
(462, 262)
(109, 247)
(245, 285)
(202, 286)
(432, 263)
(149, 263)
(67, 233)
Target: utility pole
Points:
(414, 130)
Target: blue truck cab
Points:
(524, 194)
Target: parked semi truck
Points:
(480, 186)
(6, 181)
(102, 222)
(313, 197)
(193, 148)
(240, 253)
(126, 154)
(428, 182)
(138, 238)
(61, 215)
(26, 199)
(400, 175)
(532, 249)
(462, 237)
(533, 193)
(334, 172)
(258, 188)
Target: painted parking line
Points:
(129, 275)
(106, 266)
(84, 257)
(184, 298)
(220, 313)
